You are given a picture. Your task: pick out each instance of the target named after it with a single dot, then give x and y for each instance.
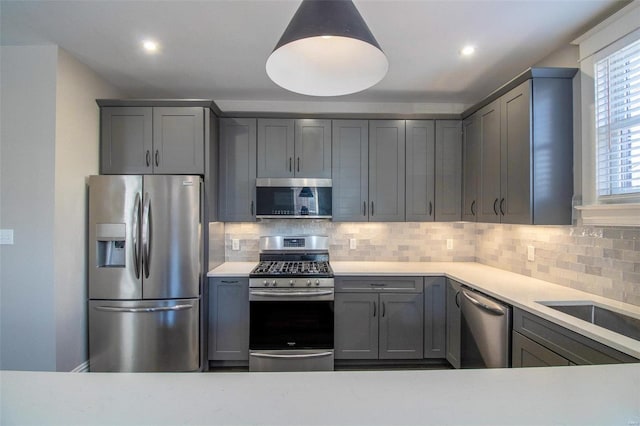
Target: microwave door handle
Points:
(135, 232)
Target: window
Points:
(617, 108)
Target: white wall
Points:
(27, 141)
(49, 144)
(76, 157)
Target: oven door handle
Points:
(316, 355)
(291, 293)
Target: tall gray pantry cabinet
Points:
(158, 140)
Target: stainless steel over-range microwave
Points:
(293, 198)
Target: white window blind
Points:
(617, 81)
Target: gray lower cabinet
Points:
(527, 353)
(448, 170)
(228, 319)
(573, 347)
(379, 318)
(146, 140)
(435, 293)
(237, 174)
(294, 148)
(454, 322)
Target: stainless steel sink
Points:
(602, 317)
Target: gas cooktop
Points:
(269, 268)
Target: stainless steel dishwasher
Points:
(486, 331)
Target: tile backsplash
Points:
(599, 260)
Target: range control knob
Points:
(317, 282)
(292, 283)
(274, 283)
(265, 283)
(308, 283)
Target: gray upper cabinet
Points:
(526, 155)
(387, 170)
(294, 148)
(489, 171)
(420, 170)
(237, 169)
(470, 167)
(350, 170)
(146, 140)
(448, 170)
(229, 319)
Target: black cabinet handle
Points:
(430, 208)
(229, 282)
(298, 163)
(372, 209)
(374, 309)
(364, 208)
(458, 299)
(148, 157)
(290, 164)
(501, 207)
(251, 208)
(495, 207)
(157, 158)
(473, 204)
(383, 308)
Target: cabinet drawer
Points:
(570, 345)
(382, 284)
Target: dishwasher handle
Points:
(484, 303)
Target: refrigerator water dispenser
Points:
(111, 245)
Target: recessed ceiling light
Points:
(467, 50)
(150, 46)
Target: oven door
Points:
(289, 332)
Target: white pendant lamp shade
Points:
(327, 50)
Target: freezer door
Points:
(114, 247)
(171, 237)
(144, 336)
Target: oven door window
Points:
(291, 325)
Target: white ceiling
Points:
(217, 49)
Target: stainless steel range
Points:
(291, 305)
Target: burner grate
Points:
(292, 267)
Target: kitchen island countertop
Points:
(593, 395)
(518, 290)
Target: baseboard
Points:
(82, 368)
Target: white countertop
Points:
(584, 395)
(518, 290)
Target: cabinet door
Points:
(275, 148)
(489, 176)
(515, 182)
(470, 167)
(229, 319)
(356, 325)
(420, 171)
(448, 170)
(237, 169)
(126, 140)
(401, 326)
(527, 353)
(386, 170)
(313, 148)
(454, 322)
(178, 140)
(435, 317)
(350, 170)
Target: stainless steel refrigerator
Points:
(144, 273)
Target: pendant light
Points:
(327, 50)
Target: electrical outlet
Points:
(449, 243)
(235, 244)
(352, 243)
(531, 253)
(6, 236)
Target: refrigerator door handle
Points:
(136, 242)
(156, 309)
(146, 234)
